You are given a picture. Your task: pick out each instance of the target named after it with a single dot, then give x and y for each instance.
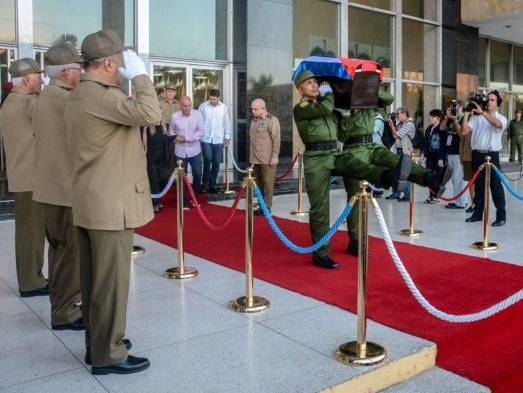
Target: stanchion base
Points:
(413, 233)
(229, 192)
(347, 354)
(485, 247)
(138, 250)
(259, 304)
(299, 213)
(174, 273)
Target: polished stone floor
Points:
(196, 344)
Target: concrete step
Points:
(437, 380)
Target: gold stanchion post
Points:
(362, 352)
(299, 211)
(182, 271)
(249, 303)
(411, 232)
(485, 245)
(226, 169)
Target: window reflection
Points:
(7, 21)
(499, 64)
(420, 58)
(371, 37)
(425, 9)
(188, 29)
(420, 100)
(315, 33)
(203, 81)
(64, 20)
(163, 75)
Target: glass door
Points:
(7, 56)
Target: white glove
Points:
(325, 88)
(133, 65)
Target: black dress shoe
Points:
(499, 223)
(258, 212)
(126, 342)
(352, 248)
(132, 364)
(404, 199)
(325, 262)
(75, 325)
(470, 209)
(36, 292)
(474, 219)
(212, 190)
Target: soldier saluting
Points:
(111, 194)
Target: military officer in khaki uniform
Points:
(264, 149)
(52, 186)
(111, 194)
(169, 103)
(17, 113)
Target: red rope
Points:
(208, 224)
(469, 184)
(288, 170)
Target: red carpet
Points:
(489, 352)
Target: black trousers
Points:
(496, 188)
(157, 172)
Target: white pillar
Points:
(24, 28)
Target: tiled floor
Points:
(196, 344)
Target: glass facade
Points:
(499, 65)
(64, 20)
(384, 4)
(188, 29)
(421, 9)
(371, 37)
(7, 21)
(420, 51)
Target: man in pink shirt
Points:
(188, 127)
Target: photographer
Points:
(451, 126)
(433, 147)
(486, 125)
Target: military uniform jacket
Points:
(316, 121)
(110, 185)
(16, 118)
(265, 140)
(359, 123)
(168, 108)
(515, 129)
(53, 172)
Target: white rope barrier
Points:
(166, 188)
(235, 164)
(462, 318)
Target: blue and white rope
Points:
(505, 182)
(234, 162)
(298, 249)
(461, 318)
(165, 189)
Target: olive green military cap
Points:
(60, 54)
(303, 76)
(23, 67)
(170, 86)
(101, 44)
(384, 98)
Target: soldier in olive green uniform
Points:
(169, 103)
(17, 113)
(355, 131)
(317, 126)
(53, 186)
(111, 194)
(515, 132)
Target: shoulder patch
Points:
(303, 104)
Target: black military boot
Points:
(325, 261)
(352, 247)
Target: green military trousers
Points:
(105, 264)
(64, 264)
(379, 155)
(264, 176)
(516, 143)
(318, 168)
(29, 242)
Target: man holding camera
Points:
(486, 125)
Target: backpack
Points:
(386, 138)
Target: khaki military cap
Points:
(170, 86)
(302, 77)
(23, 67)
(101, 44)
(62, 54)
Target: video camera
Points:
(478, 98)
(454, 108)
(392, 117)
